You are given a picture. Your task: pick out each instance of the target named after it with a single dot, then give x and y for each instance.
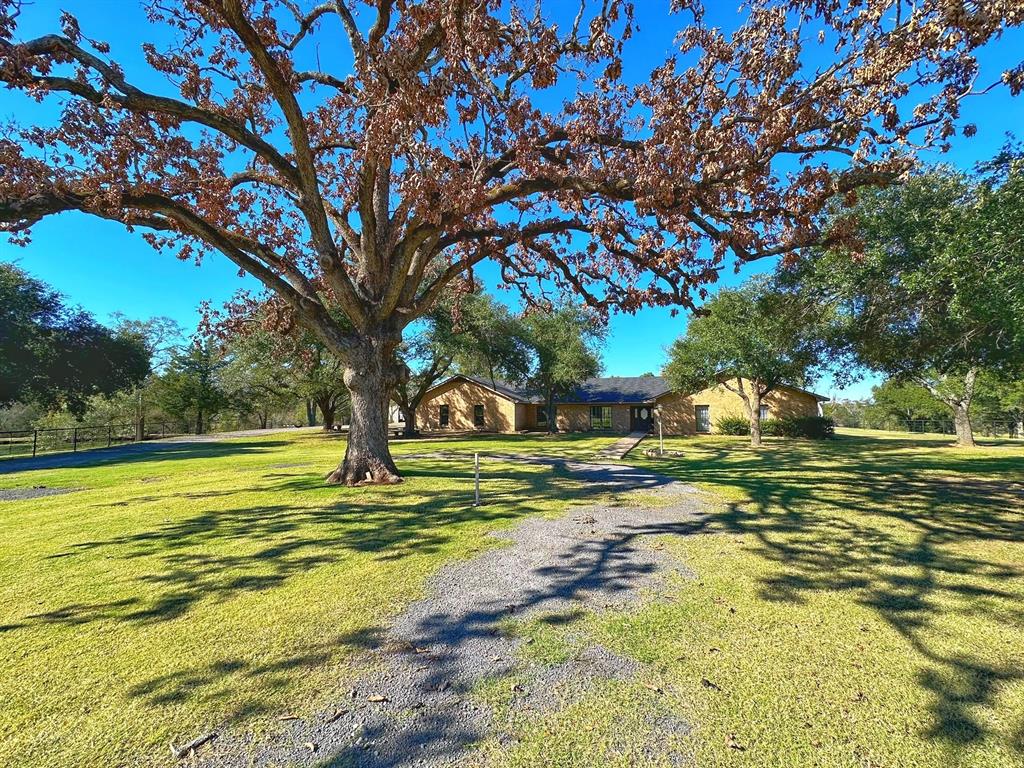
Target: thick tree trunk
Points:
(754, 406)
(962, 425)
(370, 375)
(310, 413)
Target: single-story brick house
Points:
(616, 404)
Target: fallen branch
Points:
(192, 746)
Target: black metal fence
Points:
(982, 427)
(32, 442)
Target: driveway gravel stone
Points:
(415, 706)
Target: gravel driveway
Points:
(415, 708)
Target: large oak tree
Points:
(927, 284)
(435, 145)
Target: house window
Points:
(703, 417)
(478, 415)
(600, 417)
(764, 412)
(442, 416)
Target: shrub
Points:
(733, 425)
(814, 427)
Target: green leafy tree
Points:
(1002, 399)
(565, 346)
(471, 334)
(750, 340)
(57, 356)
(254, 379)
(927, 277)
(161, 336)
(907, 401)
(189, 390)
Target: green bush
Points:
(733, 425)
(814, 427)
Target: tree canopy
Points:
(59, 356)
(438, 141)
(564, 347)
(750, 340)
(928, 280)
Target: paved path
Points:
(100, 455)
(416, 708)
(618, 450)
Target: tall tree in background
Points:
(470, 333)
(750, 340)
(565, 347)
(57, 356)
(908, 402)
(929, 285)
(254, 380)
(190, 389)
(161, 337)
(304, 363)
(435, 144)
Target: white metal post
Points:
(476, 478)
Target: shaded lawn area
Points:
(222, 583)
(858, 602)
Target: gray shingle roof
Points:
(615, 389)
(618, 389)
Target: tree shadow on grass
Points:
(220, 553)
(894, 523)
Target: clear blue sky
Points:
(105, 269)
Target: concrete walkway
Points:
(100, 455)
(622, 446)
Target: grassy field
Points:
(222, 584)
(858, 602)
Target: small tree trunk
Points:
(370, 376)
(199, 422)
(263, 417)
(409, 414)
(310, 413)
(140, 420)
(327, 410)
(754, 406)
(962, 425)
(551, 411)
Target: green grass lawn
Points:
(858, 602)
(222, 584)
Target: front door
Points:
(641, 417)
